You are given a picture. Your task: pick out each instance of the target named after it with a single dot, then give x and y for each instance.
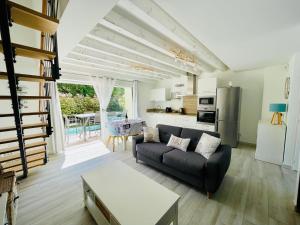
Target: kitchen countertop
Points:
(162, 111)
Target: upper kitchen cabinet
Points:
(207, 86)
(160, 94)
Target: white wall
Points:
(143, 99)
(292, 146)
(170, 83)
(274, 80)
(259, 88)
(251, 83)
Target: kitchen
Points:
(192, 102)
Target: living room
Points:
(211, 132)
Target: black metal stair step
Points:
(27, 77)
(33, 19)
(26, 126)
(29, 52)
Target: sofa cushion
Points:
(207, 145)
(165, 132)
(179, 143)
(153, 151)
(187, 162)
(195, 136)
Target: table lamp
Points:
(277, 109)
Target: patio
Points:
(86, 127)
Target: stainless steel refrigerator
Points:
(227, 115)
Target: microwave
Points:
(207, 103)
(206, 116)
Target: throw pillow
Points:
(179, 143)
(151, 134)
(207, 145)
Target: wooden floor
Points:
(252, 193)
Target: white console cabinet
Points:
(270, 142)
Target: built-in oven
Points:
(207, 103)
(204, 116)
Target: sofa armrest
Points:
(216, 168)
(136, 140)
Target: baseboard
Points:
(247, 144)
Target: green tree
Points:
(117, 101)
(76, 89)
(82, 98)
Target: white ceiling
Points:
(129, 40)
(243, 34)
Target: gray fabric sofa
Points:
(189, 166)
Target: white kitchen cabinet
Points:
(160, 94)
(207, 86)
(270, 142)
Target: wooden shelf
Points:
(7, 97)
(35, 53)
(27, 77)
(26, 126)
(26, 137)
(24, 114)
(33, 19)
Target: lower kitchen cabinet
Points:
(187, 121)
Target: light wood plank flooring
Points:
(252, 193)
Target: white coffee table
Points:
(114, 193)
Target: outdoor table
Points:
(85, 118)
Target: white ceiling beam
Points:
(152, 15)
(97, 64)
(86, 51)
(128, 27)
(117, 40)
(100, 62)
(69, 75)
(78, 19)
(111, 50)
(101, 71)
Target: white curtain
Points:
(103, 87)
(135, 100)
(58, 136)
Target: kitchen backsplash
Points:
(174, 104)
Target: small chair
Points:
(93, 121)
(70, 122)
